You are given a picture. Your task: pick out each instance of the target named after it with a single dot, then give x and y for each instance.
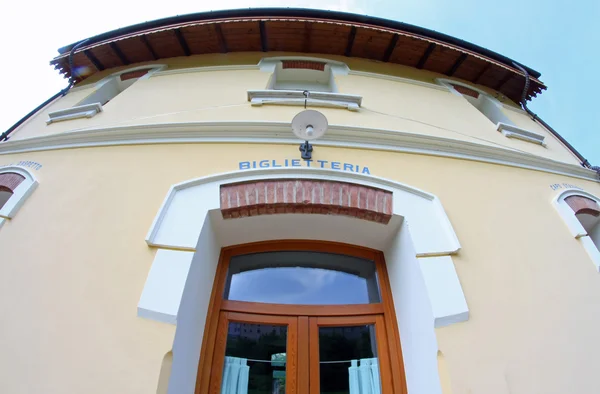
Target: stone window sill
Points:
(296, 97)
(80, 111)
(512, 131)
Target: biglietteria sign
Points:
(332, 165)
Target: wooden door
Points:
(306, 325)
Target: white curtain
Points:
(364, 379)
(235, 376)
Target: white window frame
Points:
(20, 194)
(89, 110)
(506, 127)
(574, 225)
(333, 98)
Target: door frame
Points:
(217, 305)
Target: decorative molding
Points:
(512, 131)
(574, 225)
(164, 285)
(279, 133)
(398, 79)
(592, 250)
(240, 67)
(176, 225)
(20, 193)
(296, 97)
(445, 292)
(80, 111)
(305, 196)
(413, 310)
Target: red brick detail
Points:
(9, 181)
(305, 196)
(134, 74)
(464, 90)
(303, 64)
(581, 204)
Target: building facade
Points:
(161, 233)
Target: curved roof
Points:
(300, 30)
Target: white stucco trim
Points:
(176, 224)
(79, 111)
(512, 131)
(190, 217)
(261, 132)
(164, 285)
(20, 194)
(592, 250)
(575, 227)
(411, 299)
(445, 292)
(567, 214)
(258, 98)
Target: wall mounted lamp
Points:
(309, 125)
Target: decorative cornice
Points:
(279, 133)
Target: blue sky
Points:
(557, 38)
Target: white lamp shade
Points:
(309, 125)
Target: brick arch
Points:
(583, 205)
(10, 180)
(305, 196)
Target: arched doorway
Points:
(301, 317)
(191, 229)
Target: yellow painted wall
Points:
(74, 263)
(222, 96)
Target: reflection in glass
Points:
(255, 359)
(308, 278)
(348, 360)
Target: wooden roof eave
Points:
(535, 88)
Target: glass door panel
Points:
(344, 356)
(348, 360)
(268, 354)
(256, 354)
